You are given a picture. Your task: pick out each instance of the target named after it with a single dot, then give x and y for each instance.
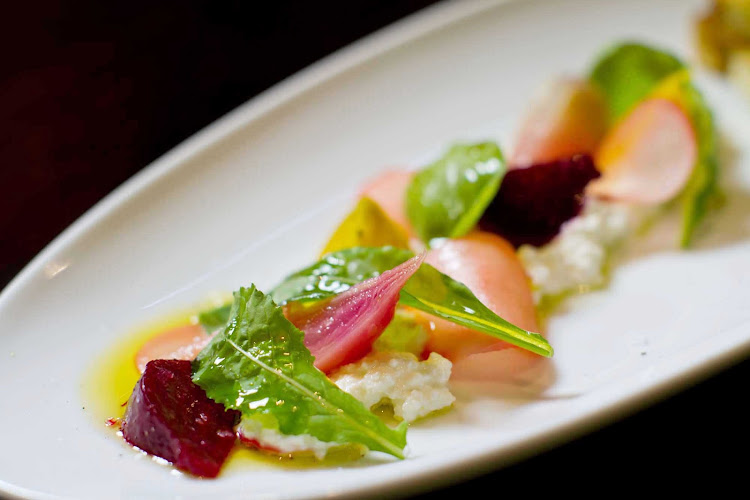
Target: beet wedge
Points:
(342, 329)
(534, 202)
(489, 266)
(170, 417)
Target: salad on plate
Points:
(439, 275)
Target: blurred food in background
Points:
(722, 36)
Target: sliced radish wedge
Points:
(487, 264)
(648, 157)
(566, 118)
(183, 342)
(343, 328)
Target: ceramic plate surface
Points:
(255, 195)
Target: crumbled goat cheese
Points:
(414, 388)
(252, 430)
(575, 260)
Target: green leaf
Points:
(631, 72)
(428, 290)
(260, 366)
(628, 72)
(447, 198)
(702, 186)
(214, 319)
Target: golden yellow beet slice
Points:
(366, 226)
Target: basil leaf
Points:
(702, 187)
(627, 73)
(447, 198)
(260, 366)
(428, 290)
(631, 72)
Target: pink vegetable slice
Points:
(389, 191)
(534, 202)
(183, 342)
(171, 417)
(489, 267)
(648, 157)
(566, 118)
(342, 329)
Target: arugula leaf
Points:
(447, 198)
(260, 366)
(428, 290)
(702, 187)
(628, 72)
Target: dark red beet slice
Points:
(534, 202)
(171, 417)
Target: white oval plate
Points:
(254, 196)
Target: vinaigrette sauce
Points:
(112, 377)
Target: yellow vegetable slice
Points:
(367, 225)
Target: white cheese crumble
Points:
(414, 388)
(575, 261)
(253, 430)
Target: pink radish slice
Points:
(487, 264)
(338, 331)
(648, 157)
(504, 364)
(183, 342)
(388, 190)
(566, 118)
(343, 329)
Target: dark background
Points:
(92, 92)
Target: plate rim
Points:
(381, 41)
(406, 30)
(388, 38)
